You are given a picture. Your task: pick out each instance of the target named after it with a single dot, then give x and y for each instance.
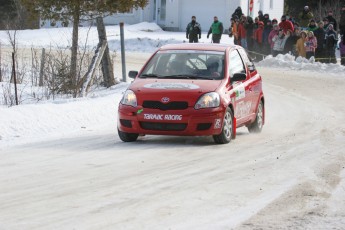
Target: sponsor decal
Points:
(243, 108)
(162, 117)
(168, 85)
(217, 123)
(240, 92)
(140, 111)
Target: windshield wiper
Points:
(150, 76)
(182, 76)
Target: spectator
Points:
(274, 21)
(234, 30)
(300, 48)
(325, 24)
(331, 43)
(238, 13)
(216, 30)
(310, 45)
(242, 33)
(320, 37)
(193, 31)
(272, 34)
(258, 39)
(342, 21)
(290, 44)
(250, 33)
(261, 16)
(267, 30)
(312, 25)
(305, 17)
(286, 24)
(266, 19)
(342, 50)
(332, 20)
(279, 43)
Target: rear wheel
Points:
(227, 132)
(256, 126)
(127, 137)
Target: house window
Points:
(271, 4)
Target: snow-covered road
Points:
(291, 176)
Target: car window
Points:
(247, 60)
(196, 64)
(235, 63)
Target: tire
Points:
(257, 125)
(127, 137)
(228, 128)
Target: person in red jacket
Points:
(258, 39)
(286, 24)
(242, 32)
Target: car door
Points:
(241, 101)
(254, 82)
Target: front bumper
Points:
(188, 122)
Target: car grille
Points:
(174, 105)
(163, 126)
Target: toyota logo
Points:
(165, 99)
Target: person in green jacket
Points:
(305, 16)
(216, 30)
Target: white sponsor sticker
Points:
(240, 92)
(243, 109)
(161, 117)
(217, 123)
(171, 86)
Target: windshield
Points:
(185, 64)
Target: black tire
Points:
(127, 137)
(257, 125)
(228, 128)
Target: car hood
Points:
(173, 89)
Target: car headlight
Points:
(208, 100)
(129, 98)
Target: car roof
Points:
(198, 46)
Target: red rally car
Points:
(193, 90)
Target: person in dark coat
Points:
(261, 16)
(238, 13)
(290, 44)
(342, 21)
(266, 48)
(332, 20)
(320, 36)
(331, 43)
(193, 31)
(266, 19)
(250, 33)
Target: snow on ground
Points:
(71, 174)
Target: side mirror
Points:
(238, 77)
(132, 74)
(251, 66)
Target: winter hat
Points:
(306, 8)
(284, 17)
(274, 20)
(312, 20)
(330, 27)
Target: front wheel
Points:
(228, 127)
(256, 126)
(127, 137)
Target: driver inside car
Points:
(212, 64)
